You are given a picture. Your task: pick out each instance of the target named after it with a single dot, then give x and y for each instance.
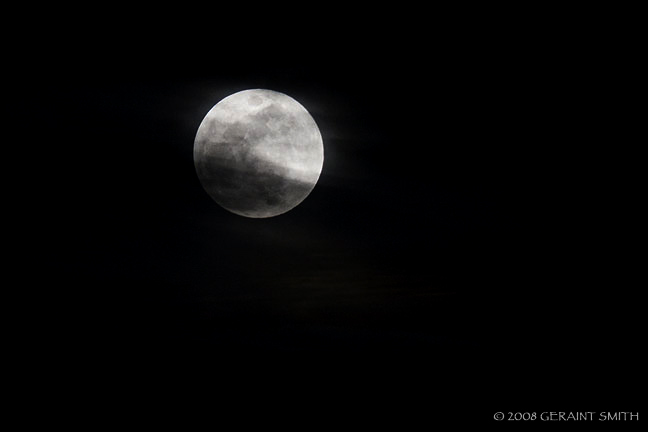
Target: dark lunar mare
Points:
(249, 192)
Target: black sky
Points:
(444, 241)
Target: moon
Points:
(258, 153)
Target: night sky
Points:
(442, 248)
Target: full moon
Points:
(258, 153)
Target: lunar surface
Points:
(258, 153)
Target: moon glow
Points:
(258, 153)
